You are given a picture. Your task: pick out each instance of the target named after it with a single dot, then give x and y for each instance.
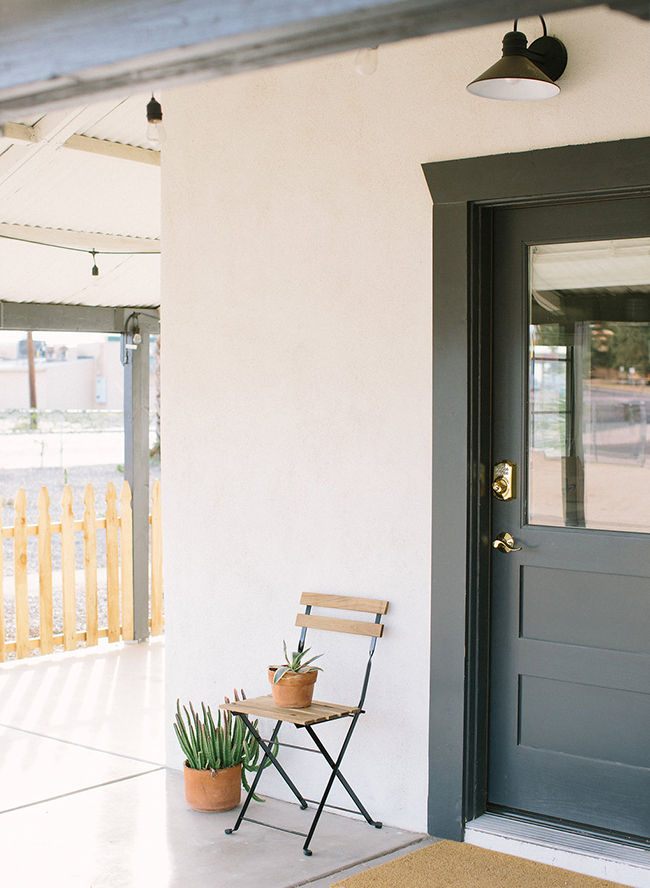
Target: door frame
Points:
(465, 194)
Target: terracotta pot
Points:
(294, 690)
(212, 790)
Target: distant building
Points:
(86, 377)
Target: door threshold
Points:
(602, 858)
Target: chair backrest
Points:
(373, 629)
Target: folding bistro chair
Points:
(318, 712)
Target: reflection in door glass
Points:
(589, 385)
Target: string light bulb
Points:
(155, 130)
(366, 59)
(94, 270)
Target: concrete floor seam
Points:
(123, 755)
(75, 792)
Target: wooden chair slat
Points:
(333, 624)
(264, 707)
(345, 602)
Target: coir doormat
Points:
(458, 865)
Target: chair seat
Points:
(264, 707)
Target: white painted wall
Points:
(297, 354)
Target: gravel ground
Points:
(31, 480)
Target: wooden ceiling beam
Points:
(106, 148)
(43, 131)
(18, 132)
(35, 145)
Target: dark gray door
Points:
(570, 609)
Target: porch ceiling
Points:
(73, 181)
(54, 53)
(84, 178)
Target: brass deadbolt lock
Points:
(504, 480)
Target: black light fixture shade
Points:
(525, 73)
(154, 111)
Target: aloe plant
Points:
(294, 663)
(212, 747)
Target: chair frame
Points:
(317, 713)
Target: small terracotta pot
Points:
(294, 690)
(212, 790)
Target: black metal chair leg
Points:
(251, 791)
(317, 815)
(335, 767)
(268, 755)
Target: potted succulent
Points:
(292, 684)
(217, 757)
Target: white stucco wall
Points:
(296, 322)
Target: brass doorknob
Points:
(505, 543)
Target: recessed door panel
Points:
(591, 615)
(583, 720)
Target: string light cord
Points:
(82, 249)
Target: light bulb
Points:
(94, 271)
(156, 133)
(365, 61)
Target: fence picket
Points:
(20, 575)
(90, 565)
(68, 570)
(45, 572)
(156, 561)
(112, 564)
(126, 558)
(119, 570)
(2, 598)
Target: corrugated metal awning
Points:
(72, 182)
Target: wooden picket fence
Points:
(119, 571)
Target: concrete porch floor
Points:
(86, 802)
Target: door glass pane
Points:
(589, 385)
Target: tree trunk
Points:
(33, 419)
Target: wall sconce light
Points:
(155, 130)
(131, 332)
(525, 72)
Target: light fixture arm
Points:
(541, 18)
(548, 53)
